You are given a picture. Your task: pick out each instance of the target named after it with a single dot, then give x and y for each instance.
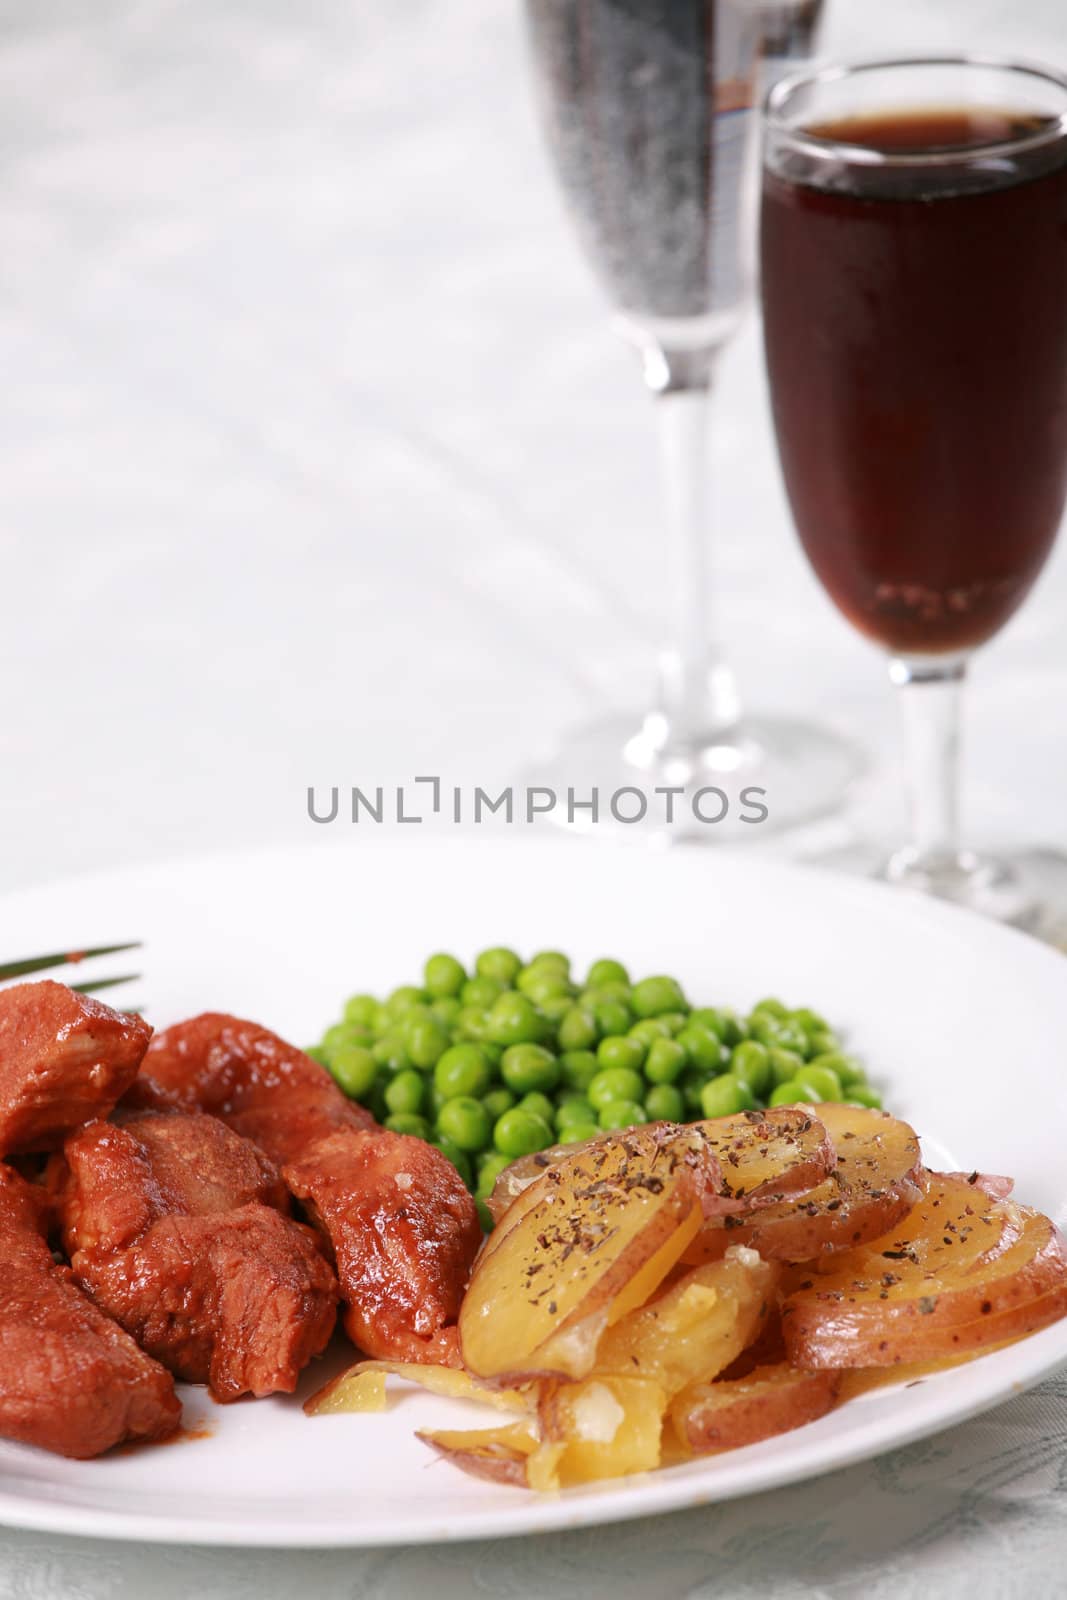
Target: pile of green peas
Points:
(510, 1058)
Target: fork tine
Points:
(104, 983)
(21, 969)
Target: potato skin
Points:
(771, 1400)
(961, 1273)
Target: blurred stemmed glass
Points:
(648, 109)
(914, 278)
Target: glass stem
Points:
(697, 700)
(929, 697)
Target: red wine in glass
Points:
(913, 247)
(917, 346)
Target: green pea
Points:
(497, 1101)
(725, 1096)
(809, 1020)
(791, 1094)
(860, 1094)
(391, 1053)
(407, 1122)
(405, 1093)
(481, 992)
(691, 1084)
(485, 1216)
(443, 977)
(666, 1061)
(578, 1029)
(552, 958)
(462, 1070)
(472, 1023)
(648, 1030)
(543, 983)
(612, 1017)
(555, 1007)
(514, 1020)
(526, 1067)
(785, 1064)
(732, 1029)
(426, 1039)
(765, 1028)
(673, 1021)
(375, 1102)
(709, 1017)
(434, 1100)
(792, 1037)
(340, 1034)
(403, 999)
(704, 1048)
(625, 1052)
(381, 1022)
(653, 996)
(499, 964)
(843, 1067)
(520, 1133)
(823, 1079)
(615, 1083)
(665, 1103)
(621, 1114)
(361, 1009)
(574, 1108)
(773, 1006)
(578, 1132)
(751, 1064)
(316, 1053)
(606, 971)
(459, 1158)
(822, 1044)
(605, 991)
(489, 1169)
(447, 1009)
(466, 1122)
(540, 1104)
(579, 1068)
(353, 1067)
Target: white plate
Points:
(963, 1021)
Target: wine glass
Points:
(914, 276)
(647, 106)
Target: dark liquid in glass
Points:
(917, 348)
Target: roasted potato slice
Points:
(763, 1157)
(960, 1272)
(362, 1388)
(601, 1427)
(596, 1236)
(696, 1327)
(770, 1400)
(498, 1454)
(874, 1184)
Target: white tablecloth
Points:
(320, 464)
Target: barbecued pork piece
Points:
(403, 1228)
(402, 1234)
(64, 1059)
(71, 1380)
(175, 1226)
(261, 1087)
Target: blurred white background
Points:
(319, 459)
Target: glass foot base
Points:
(1027, 889)
(766, 774)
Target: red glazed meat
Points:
(175, 1227)
(403, 1249)
(64, 1059)
(71, 1380)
